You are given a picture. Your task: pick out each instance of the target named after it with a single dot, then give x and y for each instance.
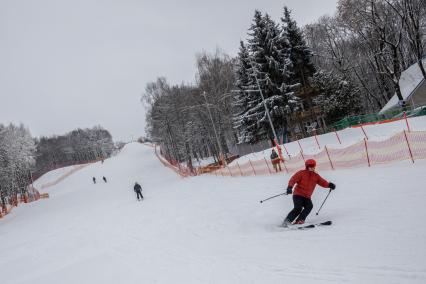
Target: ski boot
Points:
(286, 223)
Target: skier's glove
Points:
(289, 190)
(331, 186)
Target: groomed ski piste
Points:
(209, 229)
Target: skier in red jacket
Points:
(306, 181)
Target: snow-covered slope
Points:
(55, 176)
(211, 229)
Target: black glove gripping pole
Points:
(285, 193)
(324, 201)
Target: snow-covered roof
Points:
(410, 79)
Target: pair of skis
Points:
(308, 226)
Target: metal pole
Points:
(267, 113)
(266, 107)
(214, 128)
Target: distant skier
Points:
(306, 181)
(94, 180)
(104, 178)
(138, 189)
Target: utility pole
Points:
(267, 112)
(214, 129)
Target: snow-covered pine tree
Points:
(241, 97)
(338, 96)
(268, 60)
(300, 53)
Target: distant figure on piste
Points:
(275, 160)
(138, 189)
(94, 180)
(306, 181)
(104, 178)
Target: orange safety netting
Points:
(399, 147)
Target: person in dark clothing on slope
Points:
(94, 180)
(138, 189)
(104, 178)
(275, 160)
(306, 181)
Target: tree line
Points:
(346, 64)
(24, 158)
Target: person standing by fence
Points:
(275, 160)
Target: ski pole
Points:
(261, 201)
(324, 201)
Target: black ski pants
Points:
(302, 208)
(138, 193)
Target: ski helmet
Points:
(311, 163)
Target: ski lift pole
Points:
(267, 111)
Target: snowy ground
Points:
(211, 229)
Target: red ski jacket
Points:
(306, 181)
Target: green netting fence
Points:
(375, 117)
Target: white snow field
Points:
(211, 229)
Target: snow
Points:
(408, 82)
(55, 176)
(211, 229)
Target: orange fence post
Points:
(337, 135)
(406, 121)
(328, 155)
(409, 148)
(267, 165)
(252, 167)
(240, 169)
(229, 170)
(301, 150)
(366, 150)
(286, 151)
(365, 134)
(316, 139)
(285, 167)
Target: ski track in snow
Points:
(210, 229)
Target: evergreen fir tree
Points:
(268, 62)
(300, 53)
(241, 98)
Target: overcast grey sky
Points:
(80, 63)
